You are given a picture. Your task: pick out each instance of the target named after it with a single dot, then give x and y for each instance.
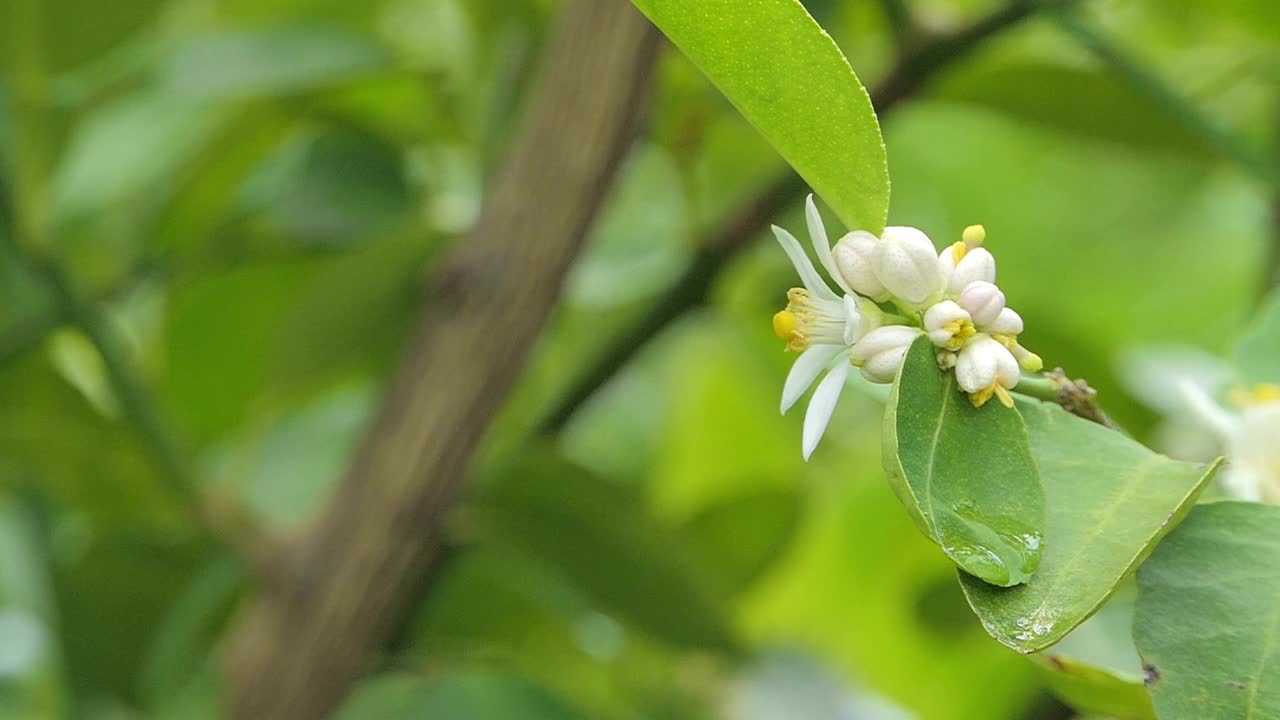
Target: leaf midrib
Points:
(933, 453)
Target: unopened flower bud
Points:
(906, 263)
(975, 265)
(948, 325)
(855, 259)
(880, 353)
(983, 300)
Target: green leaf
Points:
(31, 676)
(602, 540)
(790, 80)
(457, 695)
(269, 63)
(1110, 500)
(1256, 353)
(1207, 622)
(1095, 689)
(740, 557)
(965, 474)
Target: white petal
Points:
(978, 363)
(943, 313)
(906, 263)
(983, 300)
(821, 406)
(855, 260)
(889, 337)
(808, 275)
(883, 367)
(804, 371)
(852, 320)
(977, 264)
(1206, 410)
(1007, 322)
(821, 245)
(1241, 484)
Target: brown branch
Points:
(723, 243)
(305, 638)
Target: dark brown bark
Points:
(337, 588)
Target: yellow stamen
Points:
(981, 397)
(1257, 395)
(1005, 398)
(961, 330)
(958, 251)
(1009, 341)
(785, 323)
(1031, 362)
(974, 235)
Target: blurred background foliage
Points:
(237, 201)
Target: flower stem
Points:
(1039, 386)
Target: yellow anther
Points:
(981, 397)
(974, 235)
(1031, 362)
(1009, 341)
(1005, 398)
(958, 251)
(961, 330)
(785, 323)
(1257, 395)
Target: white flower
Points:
(965, 262)
(948, 325)
(855, 260)
(983, 301)
(821, 326)
(1252, 438)
(984, 368)
(880, 353)
(907, 265)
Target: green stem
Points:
(1039, 386)
(135, 401)
(1145, 82)
(28, 83)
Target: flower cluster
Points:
(891, 290)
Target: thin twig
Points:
(1075, 396)
(1147, 83)
(898, 16)
(724, 242)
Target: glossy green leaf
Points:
(1110, 500)
(965, 474)
(790, 80)
(1207, 621)
(1257, 355)
(599, 537)
(458, 695)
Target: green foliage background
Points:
(249, 191)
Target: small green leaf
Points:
(790, 80)
(269, 63)
(965, 474)
(1207, 622)
(1110, 500)
(1256, 353)
(599, 537)
(1095, 689)
(460, 694)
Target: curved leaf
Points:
(790, 80)
(1110, 501)
(1207, 622)
(965, 474)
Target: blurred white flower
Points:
(1251, 437)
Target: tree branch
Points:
(304, 639)
(723, 243)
